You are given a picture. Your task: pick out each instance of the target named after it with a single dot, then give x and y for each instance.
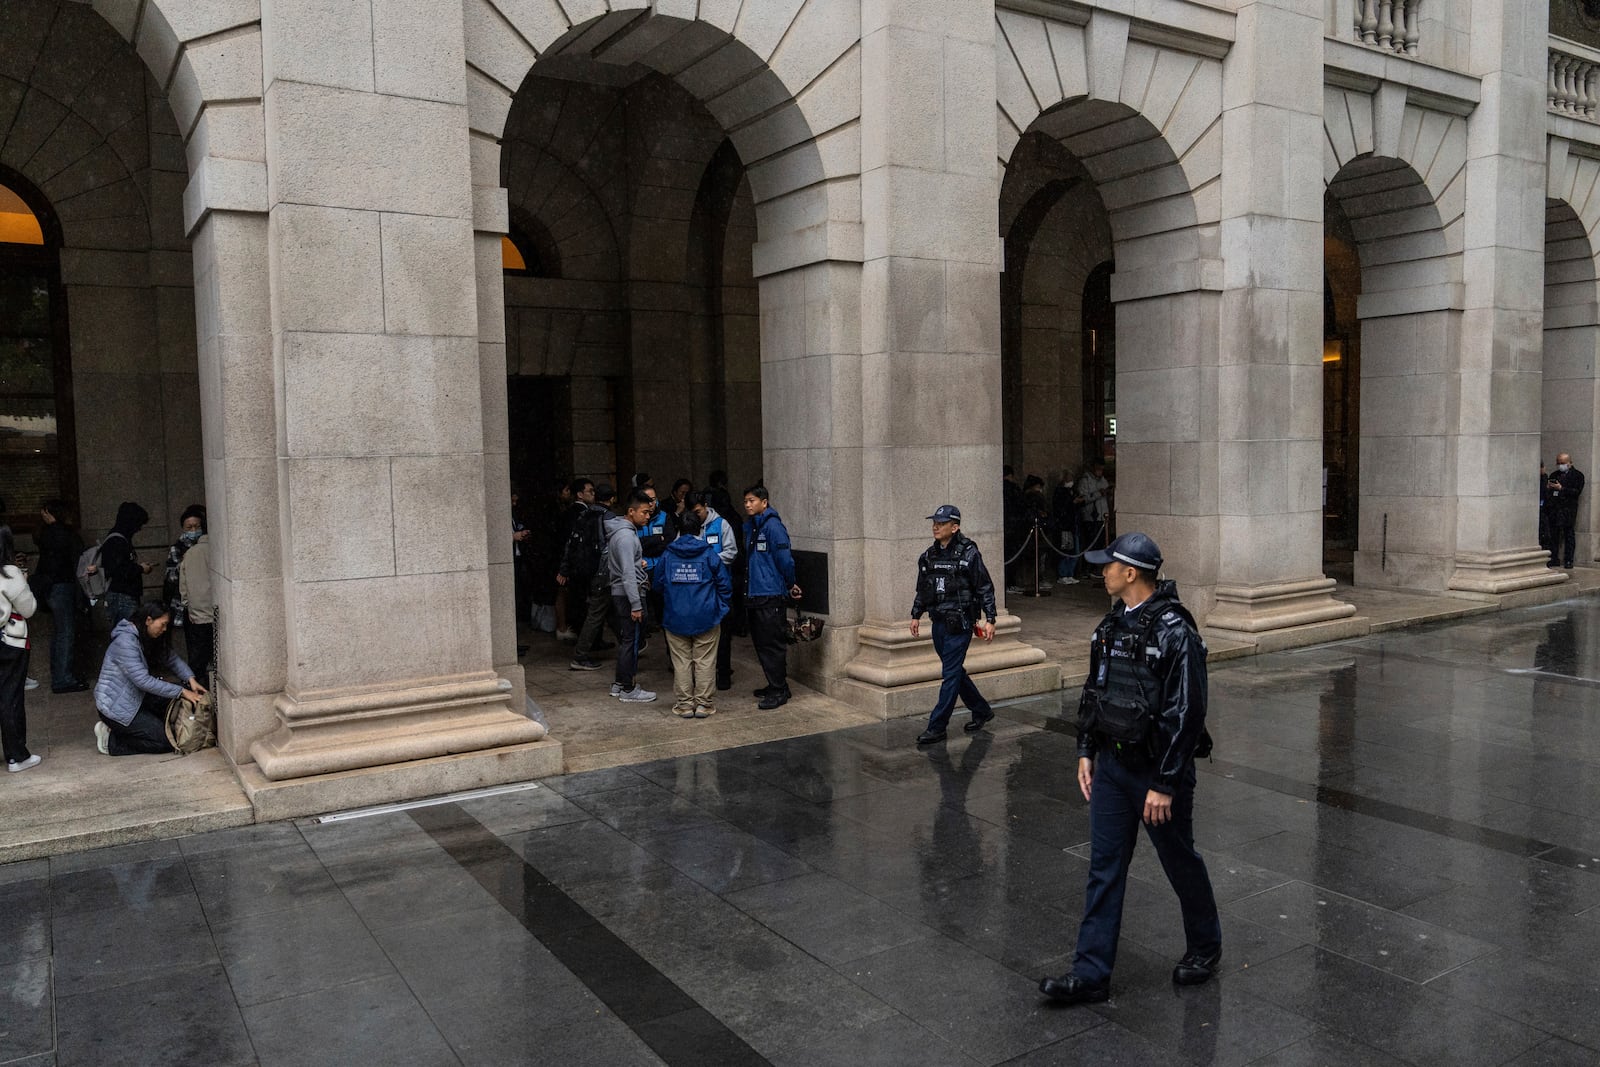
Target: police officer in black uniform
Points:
(953, 586)
(1141, 723)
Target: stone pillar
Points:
(930, 336)
(1269, 374)
(1501, 351)
(391, 686)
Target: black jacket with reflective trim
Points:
(1179, 668)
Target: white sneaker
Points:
(1067, 581)
(32, 761)
(33, 683)
(617, 690)
(1013, 589)
(102, 738)
(566, 635)
(636, 696)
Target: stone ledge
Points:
(321, 793)
(919, 698)
(127, 834)
(1314, 633)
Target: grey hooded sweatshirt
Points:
(624, 560)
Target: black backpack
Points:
(586, 549)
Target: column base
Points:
(1260, 614)
(320, 793)
(348, 731)
(1500, 573)
(895, 674)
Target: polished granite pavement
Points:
(1402, 832)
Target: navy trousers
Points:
(1116, 808)
(951, 644)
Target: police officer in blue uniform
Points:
(953, 586)
(1141, 723)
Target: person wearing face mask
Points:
(1565, 487)
(191, 524)
(194, 592)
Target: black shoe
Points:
(1196, 968)
(1070, 989)
(978, 722)
(724, 684)
(1566, 566)
(763, 691)
(776, 698)
(583, 663)
(930, 737)
(75, 687)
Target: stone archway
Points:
(113, 113)
(1409, 313)
(1571, 408)
(780, 84)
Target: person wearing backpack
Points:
(120, 564)
(130, 694)
(583, 569)
(1141, 724)
(59, 549)
(17, 606)
(695, 593)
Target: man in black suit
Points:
(1565, 487)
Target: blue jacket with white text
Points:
(695, 587)
(771, 564)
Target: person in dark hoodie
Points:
(769, 582)
(121, 564)
(696, 590)
(130, 695)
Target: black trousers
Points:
(766, 634)
(1563, 539)
(13, 718)
(201, 638)
(146, 734)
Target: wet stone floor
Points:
(1402, 831)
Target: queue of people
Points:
(130, 696)
(680, 567)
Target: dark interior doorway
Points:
(539, 411)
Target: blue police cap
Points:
(1134, 549)
(946, 513)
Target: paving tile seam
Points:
(449, 820)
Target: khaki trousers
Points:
(694, 669)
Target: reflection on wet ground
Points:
(1402, 831)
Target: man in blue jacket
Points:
(769, 581)
(695, 591)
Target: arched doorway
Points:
(38, 455)
(631, 321)
(1341, 395)
(1393, 261)
(1571, 348)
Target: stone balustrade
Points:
(1391, 25)
(1574, 84)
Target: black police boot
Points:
(1070, 989)
(763, 691)
(724, 683)
(930, 737)
(978, 722)
(1196, 968)
(775, 698)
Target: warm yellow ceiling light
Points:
(18, 225)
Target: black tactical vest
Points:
(945, 580)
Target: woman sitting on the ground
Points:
(131, 698)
